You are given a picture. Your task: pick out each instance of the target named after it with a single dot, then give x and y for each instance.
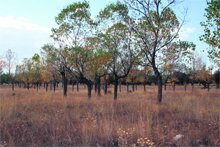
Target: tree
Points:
(217, 78)
(37, 70)
(117, 40)
(211, 26)
(27, 72)
(2, 64)
(57, 59)
(156, 29)
(10, 61)
(74, 28)
(205, 77)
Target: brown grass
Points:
(31, 118)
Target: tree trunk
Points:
(28, 86)
(64, 81)
(133, 86)
(127, 87)
(37, 86)
(77, 86)
(99, 86)
(159, 84)
(120, 86)
(192, 86)
(46, 86)
(54, 85)
(51, 86)
(159, 96)
(144, 87)
(13, 86)
(96, 84)
(105, 85)
(208, 86)
(116, 88)
(185, 86)
(89, 85)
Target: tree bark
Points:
(54, 85)
(127, 87)
(99, 86)
(185, 86)
(105, 85)
(116, 88)
(46, 86)
(64, 80)
(120, 86)
(159, 84)
(89, 85)
(77, 86)
(192, 86)
(13, 86)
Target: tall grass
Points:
(31, 118)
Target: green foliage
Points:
(5, 78)
(110, 10)
(212, 29)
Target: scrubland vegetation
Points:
(40, 118)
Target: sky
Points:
(25, 24)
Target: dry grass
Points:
(31, 118)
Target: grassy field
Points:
(31, 118)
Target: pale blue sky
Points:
(25, 24)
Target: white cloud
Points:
(22, 37)
(20, 23)
(185, 32)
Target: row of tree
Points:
(126, 40)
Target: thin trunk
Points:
(127, 87)
(144, 87)
(54, 85)
(192, 86)
(77, 86)
(13, 86)
(64, 81)
(116, 88)
(120, 86)
(185, 86)
(159, 85)
(51, 86)
(105, 85)
(99, 86)
(208, 86)
(37, 85)
(96, 84)
(46, 86)
(89, 85)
